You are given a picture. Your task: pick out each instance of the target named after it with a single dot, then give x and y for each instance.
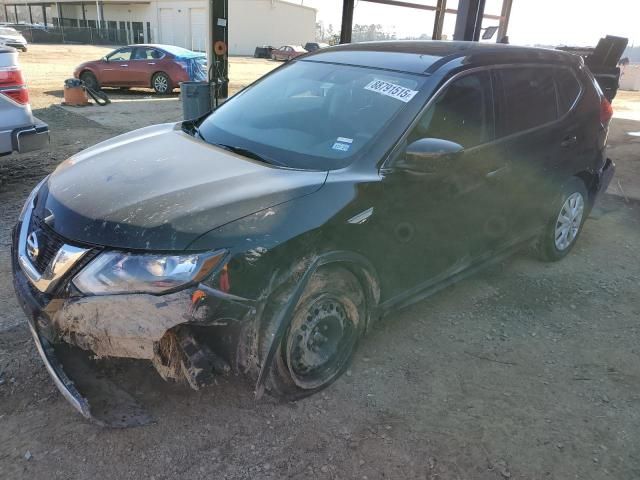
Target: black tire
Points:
(327, 323)
(161, 83)
(90, 80)
(550, 245)
(24, 49)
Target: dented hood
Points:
(158, 188)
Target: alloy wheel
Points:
(569, 221)
(160, 83)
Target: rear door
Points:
(532, 139)
(143, 64)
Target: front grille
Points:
(49, 242)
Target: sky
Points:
(546, 22)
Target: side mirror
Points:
(104, 59)
(428, 155)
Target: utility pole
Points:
(218, 32)
(469, 20)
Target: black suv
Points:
(267, 237)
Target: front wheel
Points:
(90, 81)
(565, 224)
(321, 339)
(161, 83)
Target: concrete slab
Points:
(125, 114)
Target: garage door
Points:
(198, 18)
(166, 26)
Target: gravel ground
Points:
(526, 371)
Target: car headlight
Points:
(117, 272)
(29, 202)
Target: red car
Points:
(287, 52)
(161, 67)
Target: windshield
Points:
(312, 115)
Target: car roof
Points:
(167, 48)
(428, 56)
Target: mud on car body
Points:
(267, 237)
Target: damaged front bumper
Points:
(134, 326)
(60, 379)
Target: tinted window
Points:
(146, 53)
(463, 114)
(529, 97)
(568, 89)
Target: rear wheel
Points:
(565, 224)
(322, 337)
(161, 83)
(90, 81)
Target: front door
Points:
(116, 70)
(438, 221)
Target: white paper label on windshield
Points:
(391, 90)
(343, 147)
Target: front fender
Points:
(358, 264)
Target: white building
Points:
(178, 22)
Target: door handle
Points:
(569, 141)
(492, 175)
(124, 65)
(151, 63)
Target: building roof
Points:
(428, 56)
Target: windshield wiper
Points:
(249, 154)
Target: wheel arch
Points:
(357, 264)
(151, 77)
(88, 70)
(590, 180)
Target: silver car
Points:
(20, 131)
(10, 37)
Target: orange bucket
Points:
(75, 95)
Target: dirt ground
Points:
(526, 371)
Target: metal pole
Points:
(44, 15)
(30, 14)
(439, 20)
(503, 26)
(15, 12)
(346, 28)
(60, 23)
(218, 31)
(98, 15)
(6, 12)
(469, 20)
(84, 15)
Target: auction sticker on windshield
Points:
(391, 90)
